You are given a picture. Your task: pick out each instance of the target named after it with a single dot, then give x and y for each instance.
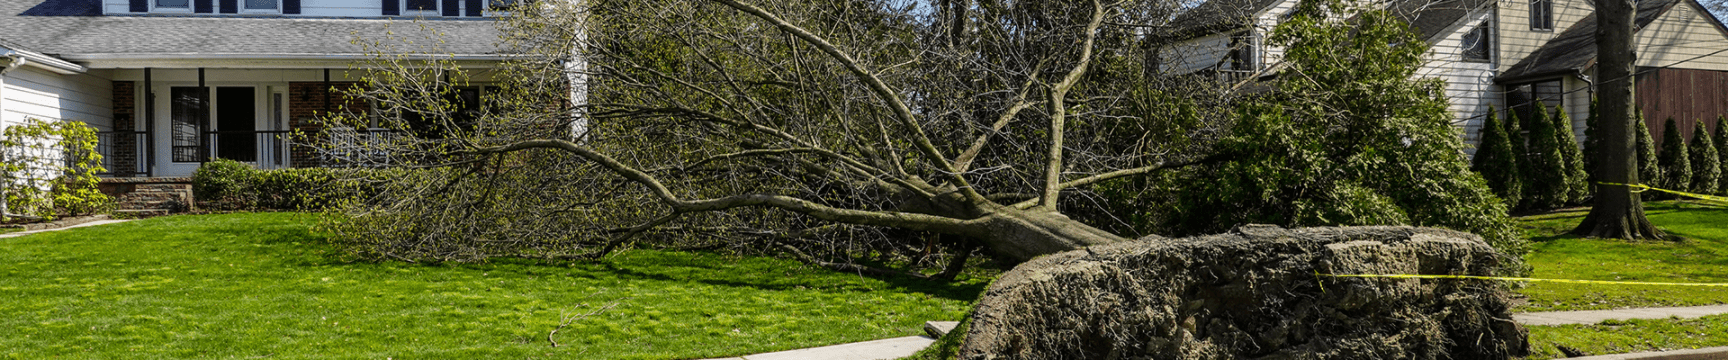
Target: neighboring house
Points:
(1505, 54)
(175, 83)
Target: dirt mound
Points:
(1253, 294)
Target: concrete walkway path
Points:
(869, 350)
(1596, 316)
(92, 223)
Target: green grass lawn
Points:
(265, 285)
(1701, 256)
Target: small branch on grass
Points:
(566, 320)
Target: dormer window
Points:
(262, 6)
(185, 5)
(422, 5)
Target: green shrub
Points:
(231, 185)
(1706, 164)
(1496, 161)
(223, 184)
(1675, 162)
(50, 170)
(1520, 159)
(1577, 179)
(1547, 168)
(1648, 170)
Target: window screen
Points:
(260, 4)
(178, 4)
(431, 5)
(1475, 43)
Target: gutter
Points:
(17, 58)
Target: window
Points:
(173, 4)
(1475, 44)
(422, 5)
(1242, 55)
(1541, 14)
(505, 4)
(1524, 98)
(268, 5)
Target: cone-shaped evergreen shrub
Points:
(1547, 168)
(1515, 137)
(1648, 171)
(1496, 162)
(1722, 153)
(1706, 165)
(1577, 180)
(1676, 165)
(1592, 141)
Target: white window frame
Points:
(173, 10)
(275, 11)
(437, 9)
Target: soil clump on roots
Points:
(1254, 293)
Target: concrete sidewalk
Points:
(1597, 316)
(869, 350)
(92, 223)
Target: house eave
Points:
(17, 58)
(265, 61)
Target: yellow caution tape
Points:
(1642, 188)
(1406, 276)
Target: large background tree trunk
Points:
(1618, 213)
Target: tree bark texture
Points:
(1618, 213)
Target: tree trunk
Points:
(1618, 213)
(1020, 235)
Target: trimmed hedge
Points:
(231, 185)
(1577, 179)
(1722, 153)
(1648, 170)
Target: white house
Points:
(174, 83)
(1499, 54)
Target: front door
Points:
(208, 123)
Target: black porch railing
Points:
(263, 149)
(124, 153)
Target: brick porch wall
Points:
(306, 104)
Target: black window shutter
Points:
(230, 6)
(201, 6)
(475, 7)
(140, 6)
(452, 7)
(290, 6)
(392, 7)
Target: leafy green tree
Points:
(1577, 179)
(1706, 163)
(1547, 167)
(1674, 160)
(1649, 170)
(1496, 162)
(1326, 148)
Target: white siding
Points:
(1195, 54)
(1470, 85)
(34, 93)
(1685, 38)
(316, 8)
(1577, 103)
(1515, 38)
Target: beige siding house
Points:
(1501, 54)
